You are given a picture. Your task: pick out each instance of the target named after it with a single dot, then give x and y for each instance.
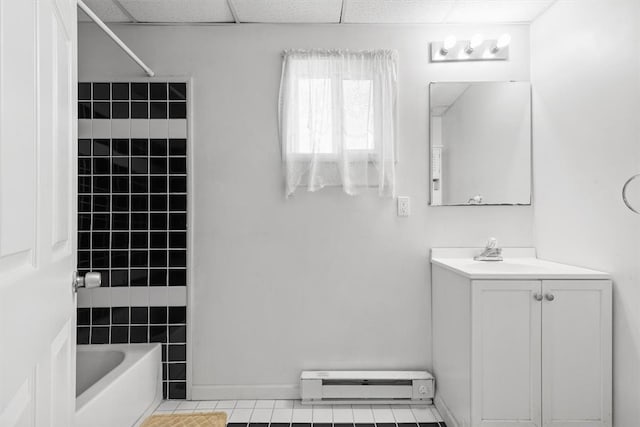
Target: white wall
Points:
(586, 83)
(322, 280)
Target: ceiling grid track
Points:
(543, 11)
(445, 19)
(203, 12)
(125, 11)
(233, 10)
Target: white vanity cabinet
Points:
(523, 342)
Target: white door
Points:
(505, 371)
(576, 353)
(37, 212)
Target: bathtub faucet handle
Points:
(90, 280)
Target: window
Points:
(338, 120)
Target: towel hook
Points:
(624, 193)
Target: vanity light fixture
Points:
(449, 43)
(503, 41)
(476, 41)
(476, 49)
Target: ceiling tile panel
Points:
(489, 11)
(288, 11)
(106, 10)
(396, 11)
(178, 10)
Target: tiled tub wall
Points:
(132, 218)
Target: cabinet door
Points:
(506, 389)
(576, 353)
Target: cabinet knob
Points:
(537, 297)
(550, 297)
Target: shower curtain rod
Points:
(115, 38)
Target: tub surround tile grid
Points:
(291, 413)
(135, 100)
(132, 218)
(123, 325)
(132, 189)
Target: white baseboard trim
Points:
(236, 392)
(444, 411)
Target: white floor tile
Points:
(226, 404)
(292, 411)
(283, 404)
(260, 404)
(301, 415)
(423, 414)
(207, 404)
(362, 414)
(281, 415)
(242, 415)
(168, 405)
(342, 414)
(403, 415)
(261, 415)
(436, 414)
(379, 406)
(245, 404)
(187, 404)
(383, 415)
(322, 414)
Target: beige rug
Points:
(207, 419)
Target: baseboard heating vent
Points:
(353, 387)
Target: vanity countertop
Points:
(518, 264)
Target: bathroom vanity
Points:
(520, 342)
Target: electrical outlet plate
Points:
(404, 208)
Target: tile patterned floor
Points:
(291, 413)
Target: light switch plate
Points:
(404, 208)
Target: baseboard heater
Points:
(353, 387)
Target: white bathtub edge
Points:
(156, 401)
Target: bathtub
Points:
(117, 385)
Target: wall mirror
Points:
(480, 143)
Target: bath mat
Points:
(205, 419)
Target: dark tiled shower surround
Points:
(132, 214)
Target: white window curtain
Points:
(338, 120)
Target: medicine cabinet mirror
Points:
(480, 143)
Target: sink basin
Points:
(517, 264)
(501, 266)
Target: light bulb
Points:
(448, 43)
(502, 42)
(476, 41)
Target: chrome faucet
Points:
(491, 252)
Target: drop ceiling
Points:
(317, 11)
